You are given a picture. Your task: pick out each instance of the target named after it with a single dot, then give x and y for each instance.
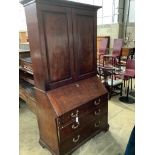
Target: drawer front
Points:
(27, 66)
(66, 130)
(77, 138)
(82, 110)
(22, 95)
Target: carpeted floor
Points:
(121, 120)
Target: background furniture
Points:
(26, 80)
(114, 58)
(99, 40)
(72, 103)
(125, 54)
(128, 74)
(102, 50)
(113, 84)
(23, 37)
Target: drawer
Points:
(22, 95)
(66, 130)
(26, 66)
(83, 134)
(82, 110)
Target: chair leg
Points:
(121, 89)
(110, 93)
(124, 82)
(99, 72)
(131, 83)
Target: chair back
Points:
(125, 52)
(103, 46)
(130, 64)
(117, 47)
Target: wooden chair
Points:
(124, 56)
(102, 50)
(114, 85)
(114, 58)
(128, 74)
(130, 64)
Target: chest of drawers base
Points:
(44, 145)
(70, 115)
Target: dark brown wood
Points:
(84, 27)
(71, 96)
(39, 68)
(71, 99)
(63, 3)
(61, 54)
(82, 134)
(26, 76)
(26, 81)
(26, 65)
(56, 41)
(68, 129)
(26, 92)
(56, 112)
(56, 109)
(24, 53)
(47, 121)
(85, 109)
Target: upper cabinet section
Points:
(62, 38)
(56, 27)
(84, 26)
(57, 45)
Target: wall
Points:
(124, 27)
(130, 35)
(128, 25)
(111, 30)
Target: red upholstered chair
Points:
(102, 50)
(116, 53)
(117, 47)
(130, 64)
(103, 45)
(128, 74)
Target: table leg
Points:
(127, 99)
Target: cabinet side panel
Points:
(35, 48)
(46, 121)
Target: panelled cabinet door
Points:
(57, 35)
(84, 32)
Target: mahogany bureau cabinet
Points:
(72, 103)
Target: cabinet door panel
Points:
(84, 42)
(58, 45)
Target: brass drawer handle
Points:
(97, 102)
(97, 112)
(75, 126)
(76, 139)
(75, 115)
(97, 124)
